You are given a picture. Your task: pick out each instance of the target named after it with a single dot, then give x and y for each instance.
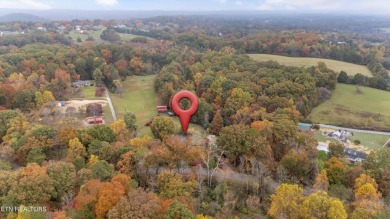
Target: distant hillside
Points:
(21, 17)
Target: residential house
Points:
(81, 84)
(355, 156)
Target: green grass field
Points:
(139, 97)
(349, 109)
(96, 35)
(370, 141)
(336, 66)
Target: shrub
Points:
(356, 142)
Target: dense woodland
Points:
(110, 171)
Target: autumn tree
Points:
(162, 127)
(137, 65)
(217, 124)
(110, 194)
(66, 134)
(137, 204)
(367, 195)
(287, 202)
(86, 199)
(63, 177)
(43, 98)
(34, 186)
(297, 164)
(321, 182)
(335, 170)
(320, 205)
(94, 109)
(236, 140)
(120, 130)
(384, 185)
(75, 150)
(171, 185)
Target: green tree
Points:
(34, 186)
(24, 100)
(102, 133)
(343, 78)
(377, 161)
(336, 149)
(63, 177)
(110, 35)
(102, 170)
(130, 121)
(162, 127)
(98, 77)
(236, 140)
(5, 118)
(178, 210)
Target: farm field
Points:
(336, 66)
(369, 110)
(139, 97)
(96, 35)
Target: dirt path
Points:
(110, 104)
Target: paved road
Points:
(110, 104)
(351, 129)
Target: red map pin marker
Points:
(184, 115)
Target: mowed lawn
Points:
(336, 66)
(96, 35)
(139, 98)
(349, 109)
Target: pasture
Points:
(336, 66)
(347, 108)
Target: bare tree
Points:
(68, 198)
(212, 158)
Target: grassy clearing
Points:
(336, 66)
(96, 35)
(370, 141)
(349, 109)
(88, 92)
(139, 97)
(320, 137)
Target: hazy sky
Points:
(369, 6)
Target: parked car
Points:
(171, 113)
